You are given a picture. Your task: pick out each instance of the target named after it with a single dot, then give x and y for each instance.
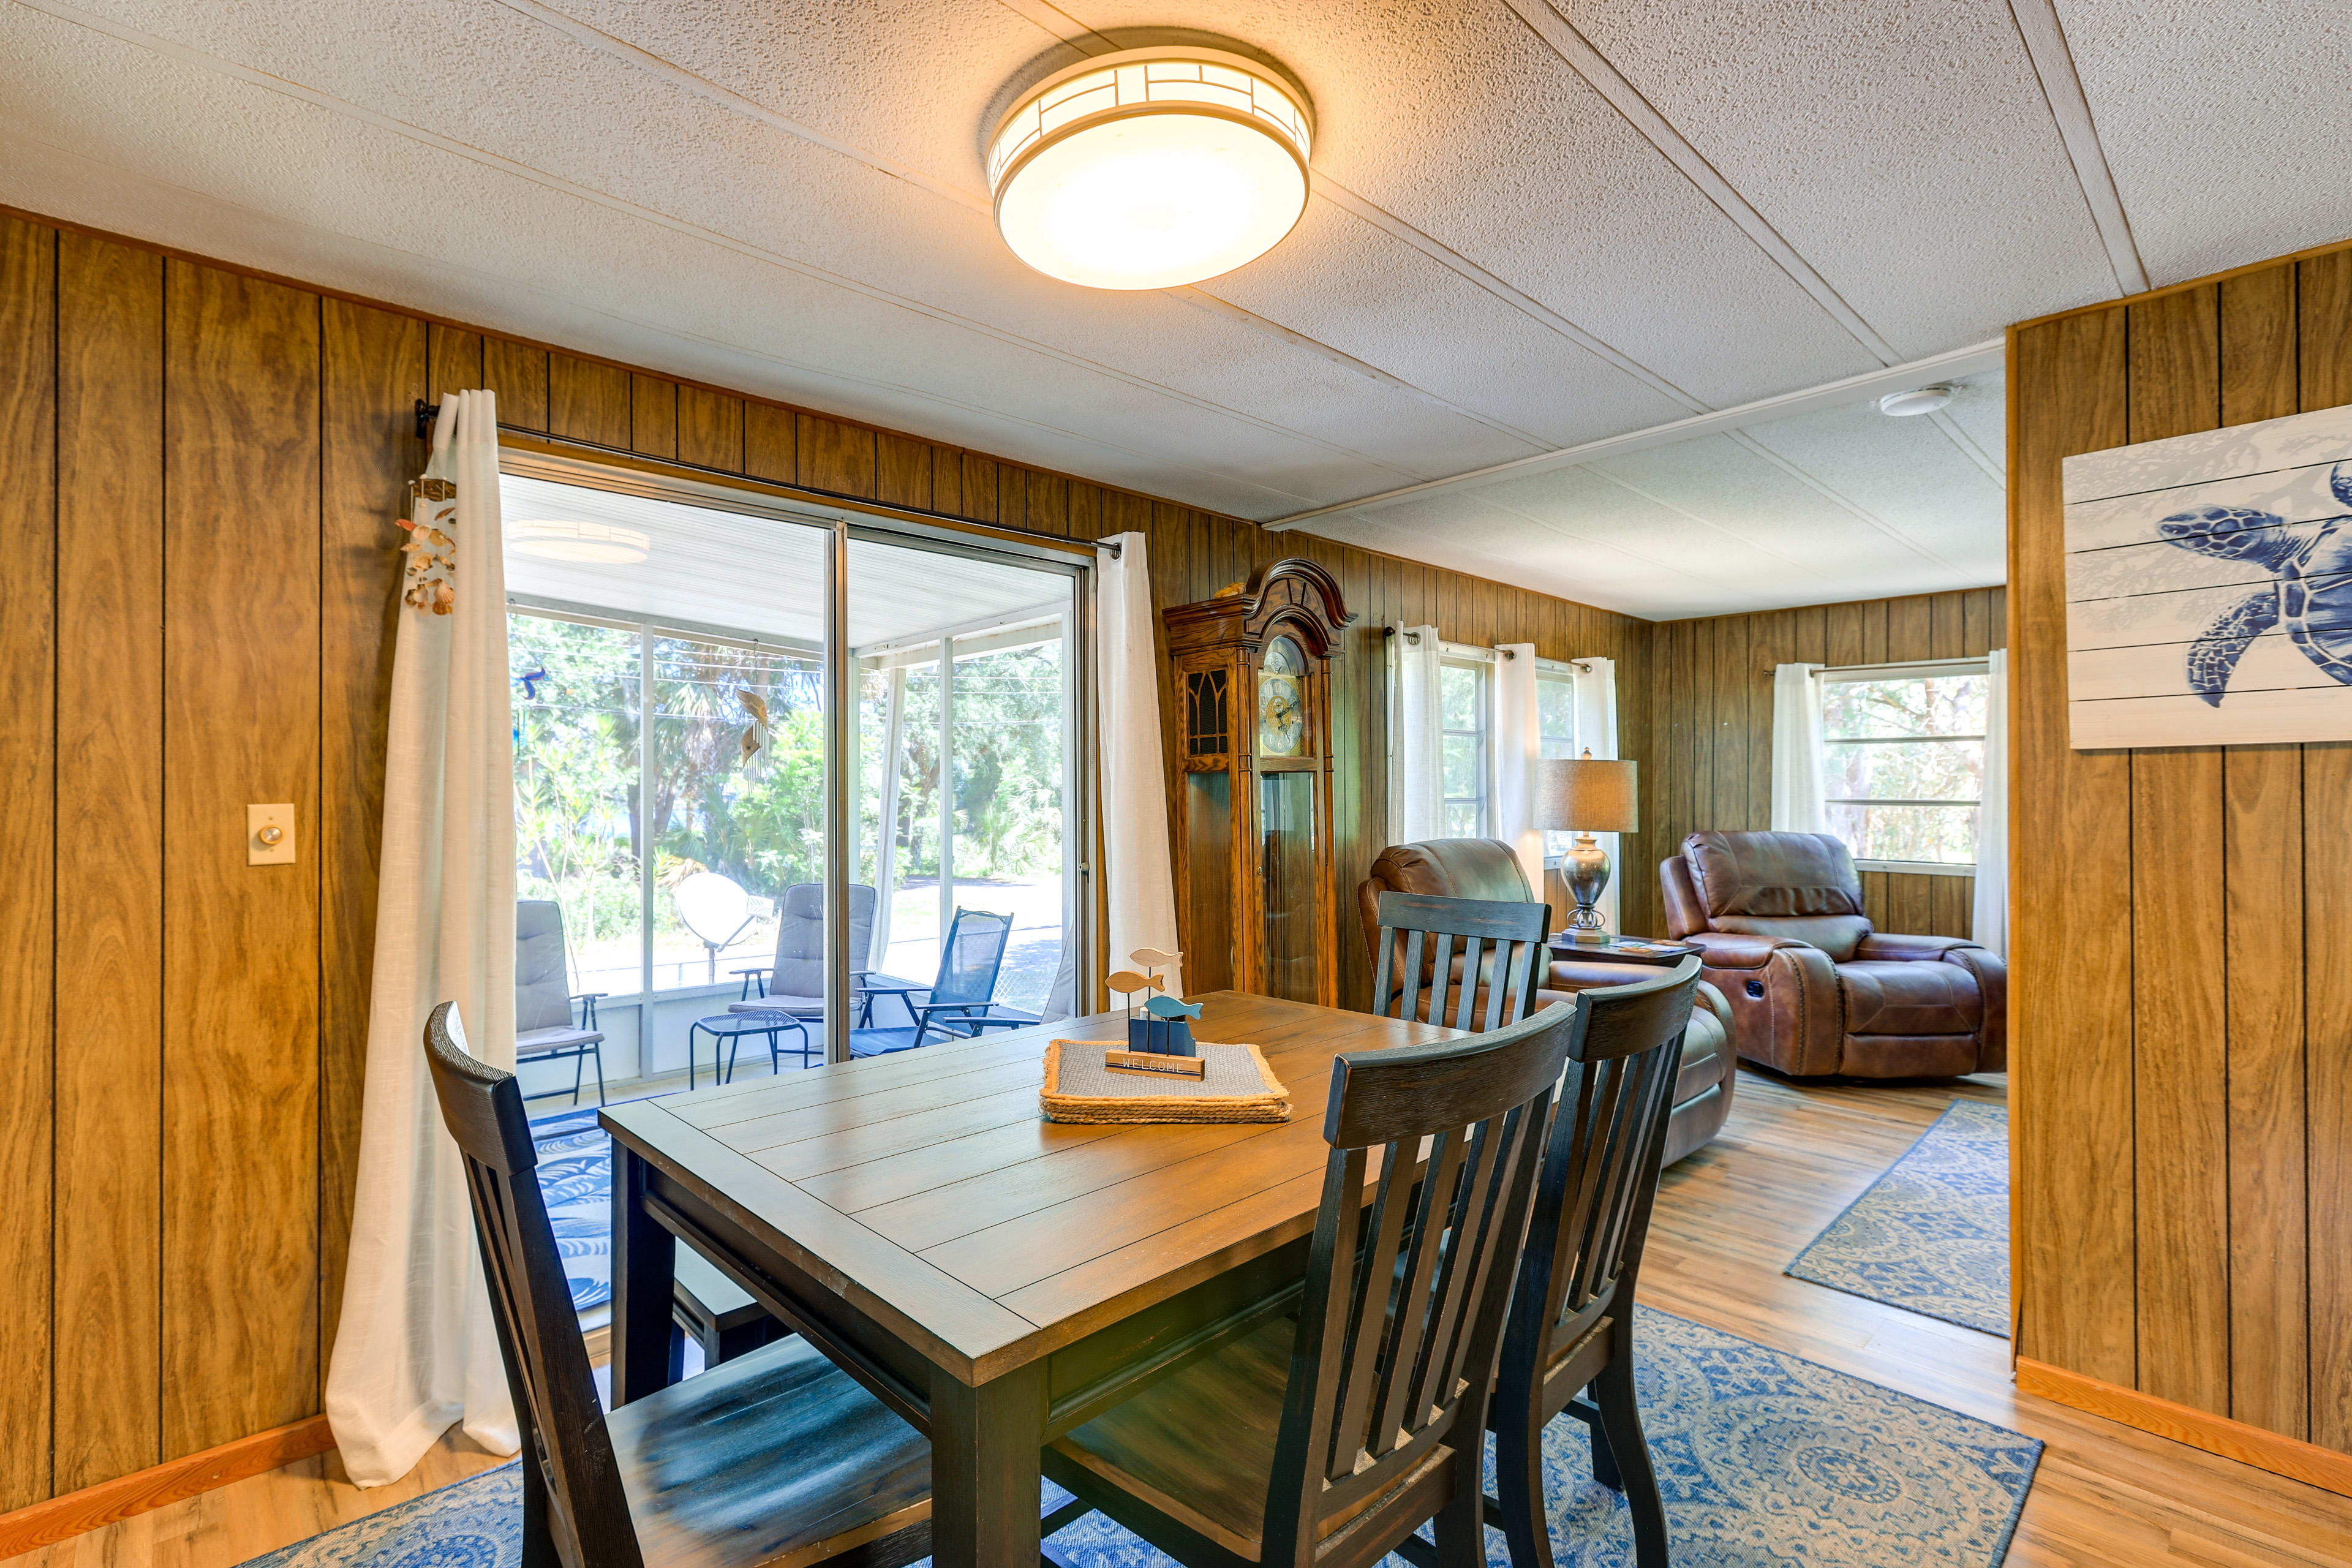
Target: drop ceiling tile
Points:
(1906, 150)
(2225, 123)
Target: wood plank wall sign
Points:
(2209, 586)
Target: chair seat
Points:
(1886, 996)
(716, 1296)
(1199, 1445)
(880, 1042)
(775, 1460)
(798, 1006)
(1704, 1045)
(538, 1042)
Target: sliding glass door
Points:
(765, 757)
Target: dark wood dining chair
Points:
(775, 1460)
(1490, 975)
(1327, 1439)
(1569, 1343)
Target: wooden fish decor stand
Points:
(1160, 1042)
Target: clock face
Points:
(1282, 700)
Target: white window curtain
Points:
(415, 1349)
(1140, 878)
(1416, 737)
(1797, 788)
(1596, 732)
(1991, 922)
(1518, 746)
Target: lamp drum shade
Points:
(1586, 795)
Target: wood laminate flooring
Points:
(1728, 1220)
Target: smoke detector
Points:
(1918, 400)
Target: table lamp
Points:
(1585, 797)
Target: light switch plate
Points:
(260, 848)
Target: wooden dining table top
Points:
(928, 1191)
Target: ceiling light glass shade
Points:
(1150, 168)
(596, 544)
(1917, 401)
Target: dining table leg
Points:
(985, 1477)
(645, 1268)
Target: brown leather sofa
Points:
(1814, 990)
(1486, 868)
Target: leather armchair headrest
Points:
(1773, 873)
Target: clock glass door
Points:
(1286, 853)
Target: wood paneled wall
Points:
(2182, 1014)
(199, 471)
(1710, 699)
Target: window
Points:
(584, 764)
(1461, 701)
(1903, 768)
(1555, 727)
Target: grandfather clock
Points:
(1252, 682)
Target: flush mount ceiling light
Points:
(1918, 400)
(595, 544)
(1150, 168)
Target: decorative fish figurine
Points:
(1168, 1008)
(1128, 981)
(1151, 957)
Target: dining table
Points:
(994, 1278)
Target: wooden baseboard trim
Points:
(62, 1517)
(2280, 1454)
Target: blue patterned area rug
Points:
(1762, 1458)
(1931, 1236)
(575, 1177)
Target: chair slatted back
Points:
(1601, 1169)
(1502, 942)
(972, 954)
(1405, 1295)
(571, 1479)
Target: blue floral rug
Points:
(575, 1177)
(1762, 1458)
(1931, 1236)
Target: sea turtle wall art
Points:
(2209, 586)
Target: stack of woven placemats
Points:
(1238, 1087)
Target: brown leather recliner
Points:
(1486, 869)
(1814, 990)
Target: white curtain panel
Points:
(1596, 732)
(415, 1349)
(1416, 737)
(1797, 785)
(1992, 924)
(1518, 746)
(1139, 877)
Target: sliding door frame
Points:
(534, 457)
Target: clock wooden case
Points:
(1253, 687)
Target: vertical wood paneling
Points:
(2265, 955)
(110, 864)
(456, 362)
(709, 429)
(2180, 1124)
(28, 783)
(836, 456)
(772, 443)
(588, 402)
(902, 471)
(518, 373)
(2072, 961)
(371, 362)
(653, 417)
(947, 481)
(2324, 374)
(240, 1252)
